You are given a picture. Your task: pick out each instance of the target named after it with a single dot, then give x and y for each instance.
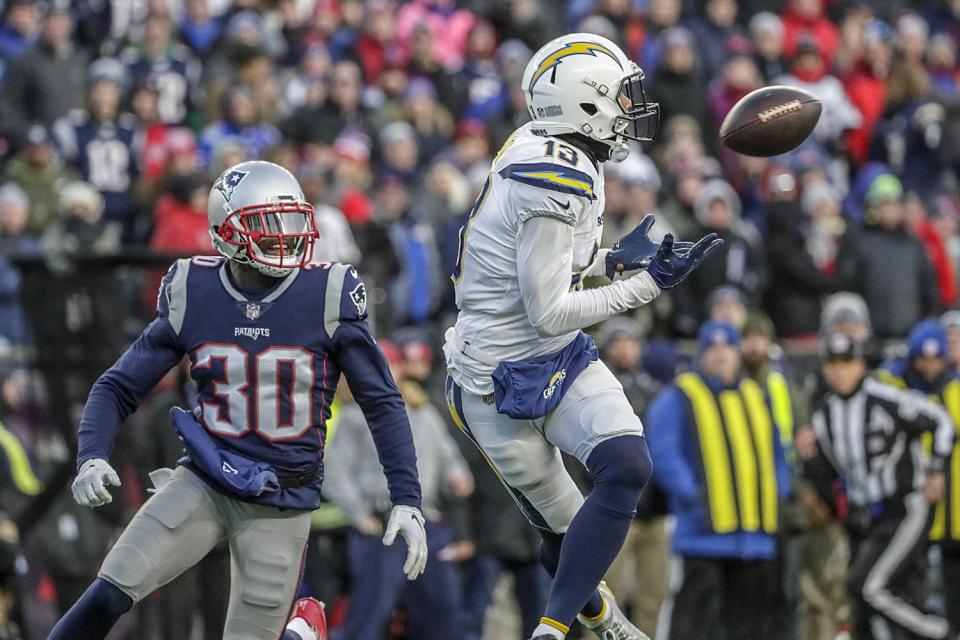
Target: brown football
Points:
(770, 121)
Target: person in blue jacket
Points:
(717, 455)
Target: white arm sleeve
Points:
(544, 265)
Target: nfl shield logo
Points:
(252, 311)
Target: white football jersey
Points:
(531, 176)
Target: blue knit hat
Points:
(928, 339)
(716, 332)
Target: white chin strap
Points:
(619, 150)
(267, 270)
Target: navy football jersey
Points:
(105, 155)
(266, 367)
(175, 76)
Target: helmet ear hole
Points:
(589, 108)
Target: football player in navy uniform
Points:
(268, 336)
(101, 142)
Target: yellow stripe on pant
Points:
(735, 430)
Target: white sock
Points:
(301, 628)
(553, 632)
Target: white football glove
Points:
(409, 523)
(90, 485)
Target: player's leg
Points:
(267, 546)
(170, 533)
(596, 424)
(529, 467)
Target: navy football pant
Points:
(433, 601)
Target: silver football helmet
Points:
(258, 216)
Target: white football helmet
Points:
(259, 216)
(583, 83)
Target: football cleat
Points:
(611, 624)
(310, 611)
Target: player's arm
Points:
(544, 267)
(121, 389)
(362, 363)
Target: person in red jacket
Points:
(805, 19)
(866, 85)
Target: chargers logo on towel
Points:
(556, 380)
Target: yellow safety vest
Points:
(946, 518)
(21, 472)
(735, 430)
(782, 405)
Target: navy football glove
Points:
(669, 266)
(635, 250)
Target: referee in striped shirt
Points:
(868, 453)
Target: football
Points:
(770, 121)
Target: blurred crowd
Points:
(115, 117)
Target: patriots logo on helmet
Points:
(570, 49)
(229, 181)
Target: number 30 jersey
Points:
(266, 367)
(531, 176)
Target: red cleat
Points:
(311, 611)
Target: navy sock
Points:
(620, 468)
(550, 558)
(94, 614)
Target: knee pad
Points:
(621, 468)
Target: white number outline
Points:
(238, 391)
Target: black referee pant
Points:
(886, 575)
(719, 594)
(951, 583)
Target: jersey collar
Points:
(271, 294)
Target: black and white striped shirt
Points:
(872, 439)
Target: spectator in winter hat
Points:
(82, 228)
(866, 86)
(846, 313)
(679, 79)
(809, 71)
(821, 206)
(805, 18)
(48, 80)
(766, 36)
(942, 63)
(951, 322)
(888, 266)
(40, 173)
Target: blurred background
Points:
(115, 117)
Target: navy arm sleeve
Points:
(121, 389)
(362, 363)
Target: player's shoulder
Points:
(345, 295)
(172, 297)
(547, 163)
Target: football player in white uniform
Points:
(524, 380)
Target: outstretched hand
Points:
(635, 250)
(673, 261)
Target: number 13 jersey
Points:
(532, 175)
